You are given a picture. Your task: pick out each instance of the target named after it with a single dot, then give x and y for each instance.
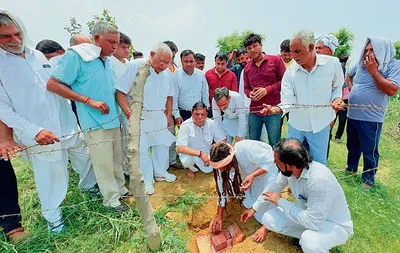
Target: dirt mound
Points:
(199, 220)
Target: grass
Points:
(91, 228)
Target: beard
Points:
(13, 49)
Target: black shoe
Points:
(296, 243)
(94, 191)
(120, 209)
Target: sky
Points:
(196, 24)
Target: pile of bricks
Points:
(216, 243)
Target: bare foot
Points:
(191, 174)
(261, 234)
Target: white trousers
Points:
(321, 241)
(51, 178)
(189, 161)
(154, 164)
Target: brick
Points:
(203, 244)
(218, 241)
(227, 234)
(238, 238)
(234, 230)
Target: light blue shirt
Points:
(94, 79)
(366, 92)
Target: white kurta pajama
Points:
(252, 155)
(198, 138)
(154, 132)
(27, 107)
(234, 122)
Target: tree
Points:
(233, 41)
(346, 39)
(397, 47)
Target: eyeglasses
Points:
(162, 62)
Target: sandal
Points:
(17, 234)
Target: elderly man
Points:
(37, 117)
(315, 79)
(50, 48)
(190, 87)
(234, 121)
(326, 44)
(195, 139)
(374, 79)
(97, 109)
(157, 99)
(320, 217)
(262, 84)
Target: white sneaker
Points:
(150, 189)
(168, 177)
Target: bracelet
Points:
(87, 101)
(201, 152)
(128, 114)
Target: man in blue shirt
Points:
(375, 78)
(88, 71)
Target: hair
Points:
(124, 39)
(306, 37)
(220, 151)
(343, 59)
(221, 56)
(199, 106)
(292, 152)
(240, 52)
(220, 93)
(251, 39)
(187, 52)
(285, 46)
(171, 45)
(102, 28)
(5, 20)
(162, 47)
(137, 54)
(200, 57)
(49, 46)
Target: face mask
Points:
(286, 173)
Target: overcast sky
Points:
(196, 24)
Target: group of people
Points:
(74, 106)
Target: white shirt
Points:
(117, 66)
(321, 85)
(54, 60)
(199, 138)
(319, 198)
(234, 121)
(246, 100)
(189, 89)
(156, 91)
(27, 106)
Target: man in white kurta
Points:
(38, 117)
(195, 139)
(154, 132)
(234, 121)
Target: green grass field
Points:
(91, 228)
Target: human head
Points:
(302, 46)
(241, 56)
(160, 57)
(173, 48)
(382, 49)
(221, 60)
(137, 55)
(106, 36)
(285, 51)
(253, 44)
(326, 44)
(11, 33)
(188, 61)
(343, 59)
(291, 157)
(77, 39)
(200, 61)
(199, 113)
(221, 97)
(123, 49)
(50, 48)
(221, 156)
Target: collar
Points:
(215, 71)
(265, 58)
(4, 53)
(320, 60)
(304, 173)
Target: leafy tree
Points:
(397, 47)
(233, 41)
(346, 39)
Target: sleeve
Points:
(14, 120)
(234, 84)
(125, 81)
(353, 71)
(288, 96)
(247, 87)
(171, 87)
(183, 135)
(338, 80)
(394, 73)
(67, 69)
(218, 133)
(242, 127)
(320, 197)
(279, 71)
(217, 114)
(175, 97)
(204, 92)
(276, 186)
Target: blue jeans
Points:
(272, 123)
(363, 137)
(318, 142)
